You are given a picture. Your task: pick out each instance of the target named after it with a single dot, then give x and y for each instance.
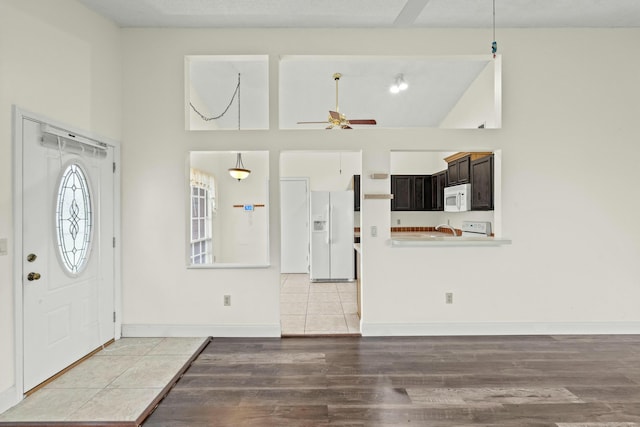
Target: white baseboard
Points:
(395, 329)
(499, 328)
(8, 398)
(138, 330)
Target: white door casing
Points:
(66, 314)
(294, 214)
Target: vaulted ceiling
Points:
(306, 86)
(369, 13)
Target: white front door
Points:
(294, 226)
(68, 256)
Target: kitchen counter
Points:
(431, 238)
(438, 238)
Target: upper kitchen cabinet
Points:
(438, 183)
(422, 193)
(402, 190)
(482, 183)
(411, 192)
(475, 168)
(458, 168)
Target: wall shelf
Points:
(379, 196)
(379, 175)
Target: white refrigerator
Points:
(331, 240)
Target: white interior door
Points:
(68, 256)
(294, 214)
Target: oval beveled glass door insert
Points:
(74, 219)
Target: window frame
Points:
(202, 208)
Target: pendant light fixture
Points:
(239, 172)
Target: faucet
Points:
(453, 230)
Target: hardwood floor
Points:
(560, 381)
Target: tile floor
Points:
(317, 308)
(115, 384)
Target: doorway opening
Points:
(318, 288)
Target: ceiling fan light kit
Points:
(399, 85)
(340, 121)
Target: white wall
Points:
(476, 106)
(58, 60)
(569, 138)
(327, 171)
(557, 276)
(559, 112)
(418, 162)
(244, 235)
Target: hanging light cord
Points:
(494, 44)
(236, 92)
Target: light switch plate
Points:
(4, 249)
(374, 231)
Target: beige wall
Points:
(569, 145)
(477, 105)
(565, 125)
(60, 61)
(327, 171)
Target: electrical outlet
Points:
(398, 221)
(448, 297)
(227, 300)
(4, 250)
(374, 231)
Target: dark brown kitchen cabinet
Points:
(402, 189)
(422, 193)
(482, 183)
(438, 183)
(459, 170)
(411, 192)
(356, 193)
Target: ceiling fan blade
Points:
(363, 122)
(309, 123)
(338, 120)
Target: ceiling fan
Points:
(339, 120)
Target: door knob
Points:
(31, 257)
(33, 276)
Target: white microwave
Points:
(457, 198)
